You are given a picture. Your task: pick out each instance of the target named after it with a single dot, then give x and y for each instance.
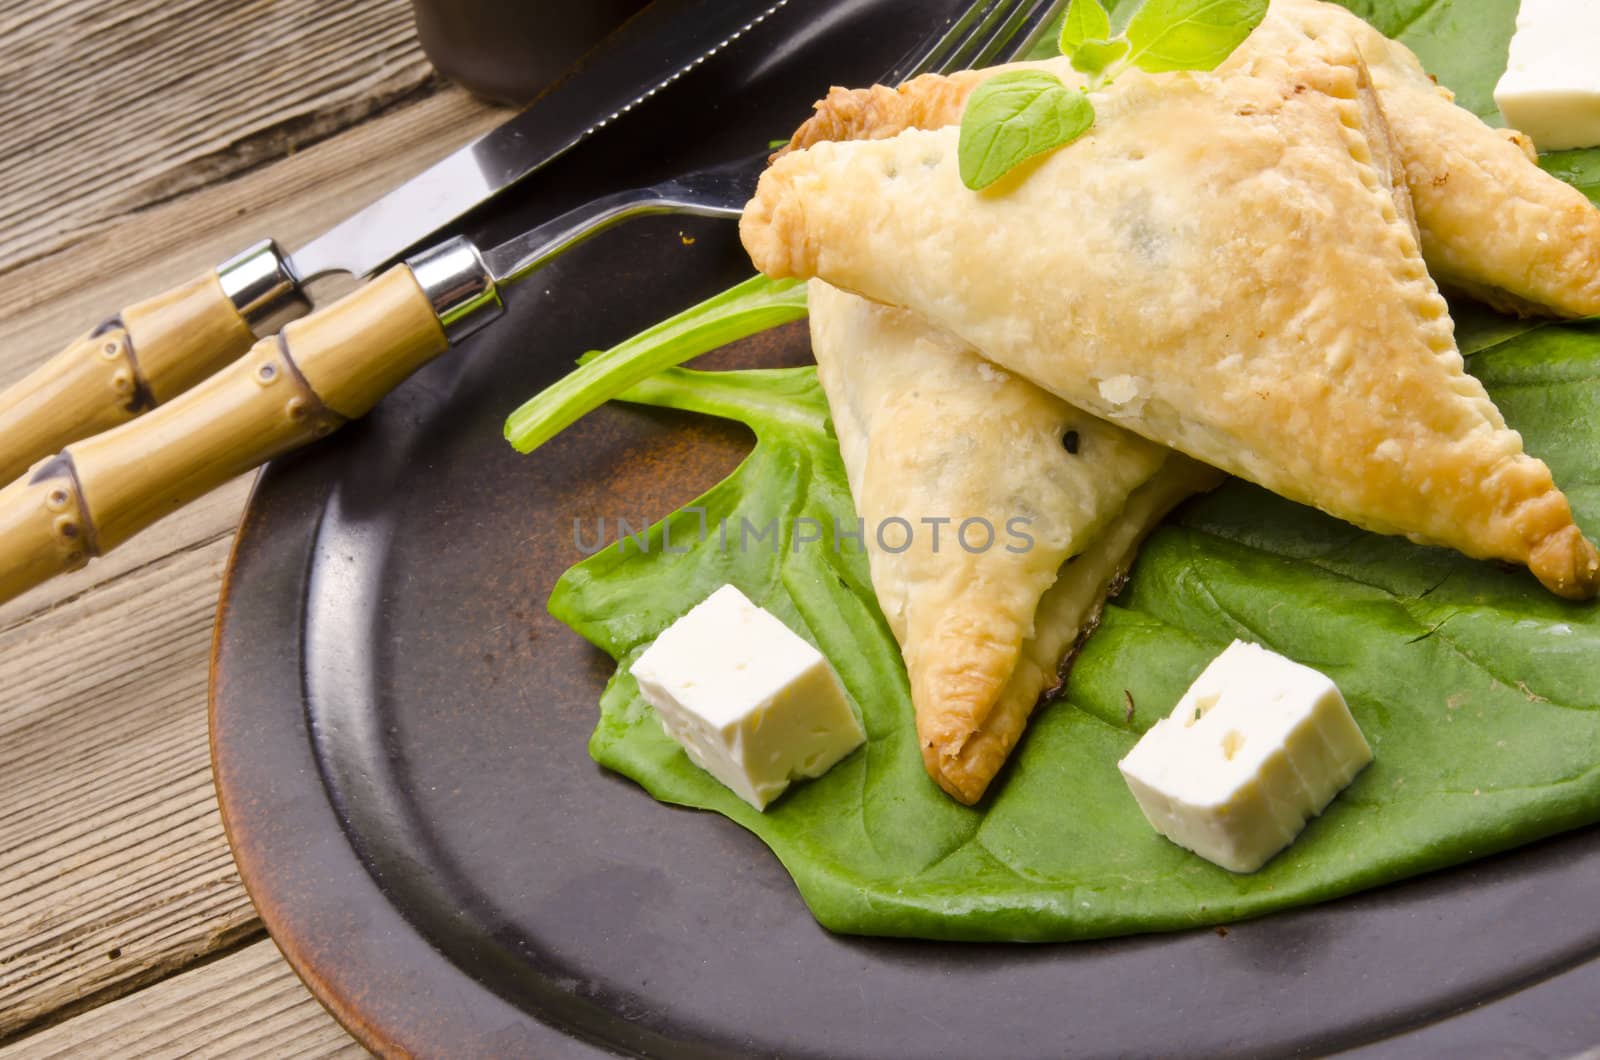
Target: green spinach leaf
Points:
(1581, 169)
(752, 306)
(1472, 683)
(1463, 43)
(1474, 686)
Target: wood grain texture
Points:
(44, 303)
(47, 302)
(122, 105)
(114, 872)
(205, 522)
(110, 839)
(247, 1003)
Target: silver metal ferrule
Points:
(259, 284)
(459, 285)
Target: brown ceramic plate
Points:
(399, 735)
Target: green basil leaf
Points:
(1190, 34)
(1085, 21)
(1095, 56)
(1012, 117)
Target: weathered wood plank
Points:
(111, 108)
(140, 134)
(45, 303)
(248, 1003)
(206, 521)
(42, 305)
(114, 871)
(113, 865)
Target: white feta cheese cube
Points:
(1257, 746)
(1551, 87)
(752, 703)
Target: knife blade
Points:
(334, 366)
(655, 49)
(154, 350)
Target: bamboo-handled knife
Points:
(335, 364)
(150, 352)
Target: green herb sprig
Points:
(750, 307)
(1018, 115)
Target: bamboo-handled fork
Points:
(152, 351)
(334, 365)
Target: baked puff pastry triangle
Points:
(1220, 266)
(996, 519)
(1493, 224)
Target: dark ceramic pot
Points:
(511, 50)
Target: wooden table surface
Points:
(144, 141)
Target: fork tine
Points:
(959, 52)
(988, 30)
(935, 54)
(1020, 33)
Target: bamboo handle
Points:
(288, 389)
(144, 356)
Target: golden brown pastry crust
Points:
(929, 101)
(930, 431)
(1067, 613)
(1231, 277)
(1492, 223)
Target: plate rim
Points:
(334, 983)
(277, 855)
